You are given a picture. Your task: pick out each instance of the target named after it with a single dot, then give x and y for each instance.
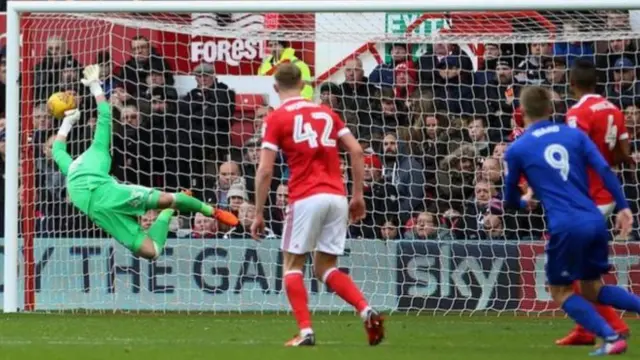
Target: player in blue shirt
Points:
(554, 159)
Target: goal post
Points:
(397, 276)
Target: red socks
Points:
(340, 282)
(613, 319)
(344, 286)
(298, 298)
(609, 314)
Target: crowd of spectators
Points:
(434, 131)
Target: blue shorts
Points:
(578, 253)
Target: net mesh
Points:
(431, 97)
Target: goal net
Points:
(432, 97)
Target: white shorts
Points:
(316, 223)
(607, 209)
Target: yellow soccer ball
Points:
(60, 102)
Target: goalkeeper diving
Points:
(113, 206)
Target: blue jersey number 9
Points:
(557, 157)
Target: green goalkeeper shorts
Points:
(115, 208)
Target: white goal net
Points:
(432, 97)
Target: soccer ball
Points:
(60, 102)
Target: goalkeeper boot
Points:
(613, 347)
(577, 337)
(374, 326)
(302, 340)
(225, 217)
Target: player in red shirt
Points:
(604, 123)
(318, 213)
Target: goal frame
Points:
(13, 56)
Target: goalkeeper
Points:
(111, 205)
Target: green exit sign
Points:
(398, 23)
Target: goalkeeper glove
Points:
(92, 80)
(70, 118)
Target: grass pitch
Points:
(226, 337)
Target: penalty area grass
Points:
(209, 336)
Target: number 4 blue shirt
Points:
(554, 159)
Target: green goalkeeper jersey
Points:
(91, 169)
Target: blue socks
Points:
(619, 298)
(585, 314)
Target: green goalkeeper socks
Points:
(185, 202)
(159, 230)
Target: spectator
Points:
(144, 59)
(455, 178)
(148, 218)
(204, 227)
(47, 73)
(427, 136)
(205, 122)
(109, 81)
(228, 174)
(208, 93)
(606, 61)
(404, 171)
(555, 75)
(484, 203)
(161, 128)
(133, 149)
(119, 97)
(452, 226)
(450, 87)
(344, 170)
(52, 181)
(630, 173)
(278, 212)
(405, 80)
(492, 171)
(498, 151)
(330, 95)
(529, 70)
(42, 127)
(383, 74)
(246, 216)
(381, 200)
(388, 114)
(501, 98)
(428, 63)
(425, 228)
(41, 118)
(493, 228)
(236, 196)
(632, 121)
(251, 157)
(51, 192)
(625, 90)
(477, 132)
(389, 230)
(157, 87)
(492, 53)
(282, 52)
(357, 94)
(70, 80)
